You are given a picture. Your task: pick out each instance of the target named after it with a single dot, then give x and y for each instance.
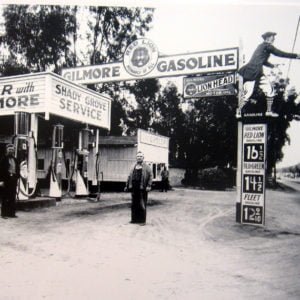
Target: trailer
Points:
(118, 154)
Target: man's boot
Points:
(269, 112)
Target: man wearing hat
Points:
(252, 73)
(9, 175)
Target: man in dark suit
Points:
(9, 175)
(139, 183)
(252, 73)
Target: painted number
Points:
(253, 183)
(252, 214)
(254, 152)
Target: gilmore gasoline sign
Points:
(141, 60)
(253, 174)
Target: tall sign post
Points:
(253, 171)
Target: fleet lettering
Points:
(252, 197)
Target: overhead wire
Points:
(295, 39)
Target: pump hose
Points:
(35, 185)
(71, 176)
(97, 176)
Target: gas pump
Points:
(22, 139)
(96, 172)
(81, 164)
(56, 162)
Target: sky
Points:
(196, 27)
(182, 26)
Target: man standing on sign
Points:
(9, 175)
(139, 183)
(252, 72)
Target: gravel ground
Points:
(191, 248)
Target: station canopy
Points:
(50, 93)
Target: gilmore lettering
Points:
(19, 101)
(93, 73)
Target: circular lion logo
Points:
(140, 57)
(191, 89)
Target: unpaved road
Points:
(191, 248)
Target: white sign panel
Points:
(253, 173)
(155, 147)
(22, 93)
(50, 93)
(146, 137)
(80, 104)
(141, 61)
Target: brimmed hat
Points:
(268, 34)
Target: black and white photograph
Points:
(149, 150)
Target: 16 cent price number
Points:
(254, 152)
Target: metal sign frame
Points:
(253, 174)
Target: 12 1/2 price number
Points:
(252, 214)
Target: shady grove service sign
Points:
(141, 60)
(51, 94)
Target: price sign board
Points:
(253, 174)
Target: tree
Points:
(169, 120)
(215, 137)
(12, 67)
(287, 110)
(38, 34)
(145, 93)
(42, 38)
(112, 29)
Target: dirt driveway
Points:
(191, 248)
